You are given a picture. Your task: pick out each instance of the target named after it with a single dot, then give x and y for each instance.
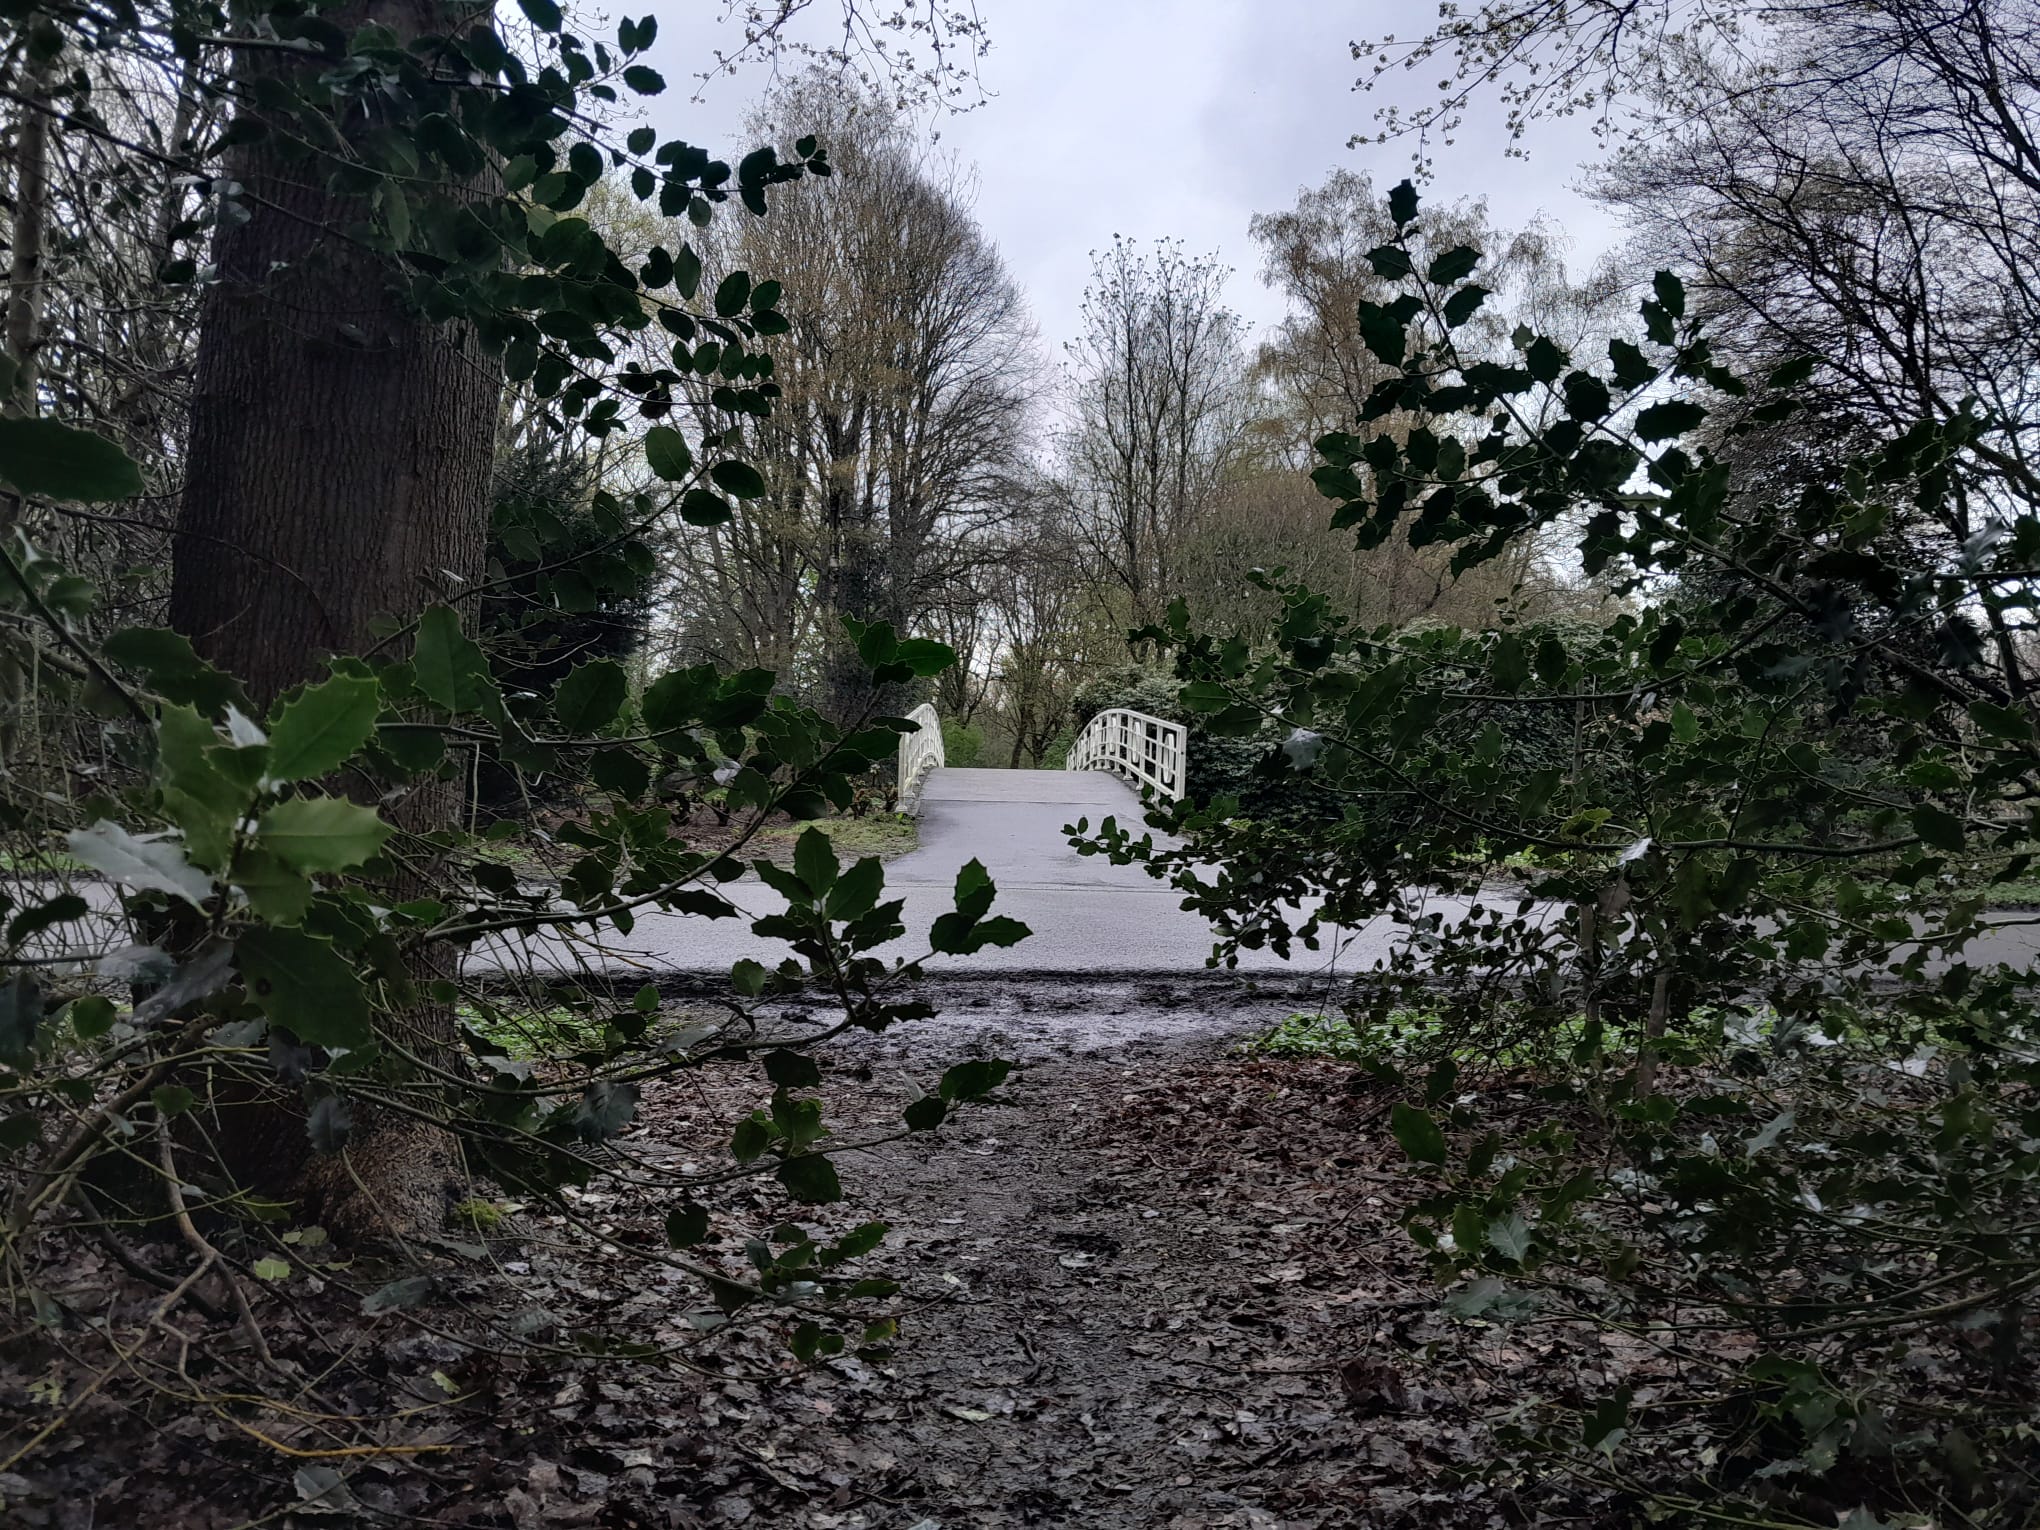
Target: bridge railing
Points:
(1148, 751)
(920, 752)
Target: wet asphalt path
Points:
(1089, 917)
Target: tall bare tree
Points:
(905, 386)
(1160, 400)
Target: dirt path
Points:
(1159, 1296)
(1152, 1289)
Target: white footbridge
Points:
(1151, 754)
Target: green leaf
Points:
(733, 294)
(739, 479)
(148, 864)
(1417, 1133)
(1604, 1428)
(621, 771)
(1509, 1236)
(274, 891)
(1453, 265)
(52, 461)
(814, 861)
(197, 796)
(1632, 370)
(62, 909)
(175, 671)
(450, 668)
(1383, 333)
(646, 82)
(1391, 262)
(92, 1016)
(1671, 292)
(856, 891)
(975, 1079)
(543, 14)
(1463, 304)
(322, 833)
(701, 507)
(1938, 828)
(171, 1099)
(589, 697)
(792, 1070)
(811, 1179)
(300, 982)
(270, 1269)
(925, 656)
(926, 1113)
(2001, 722)
(1511, 663)
(321, 729)
(397, 1295)
(686, 1226)
(1661, 422)
(1586, 396)
(1402, 203)
(667, 453)
(1543, 360)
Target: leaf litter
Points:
(1157, 1284)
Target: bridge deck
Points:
(1088, 916)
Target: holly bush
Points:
(1783, 1143)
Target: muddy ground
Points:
(1157, 1284)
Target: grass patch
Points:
(1334, 1036)
(529, 1035)
(480, 1215)
(884, 835)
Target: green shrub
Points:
(963, 744)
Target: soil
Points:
(1156, 1284)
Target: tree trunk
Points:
(338, 470)
(23, 337)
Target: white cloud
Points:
(1173, 118)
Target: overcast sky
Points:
(1177, 118)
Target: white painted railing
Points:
(1146, 750)
(920, 752)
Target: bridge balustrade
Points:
(1148, 751)
(920, 751)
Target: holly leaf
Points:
(450, 667)
(588, 699)
(687, 1226)
(1417, 1133)
(811, 1179)
(52, 461)
(1938, 828)
(300, 982)
(319, 730)
(154, 864)
(322, 833)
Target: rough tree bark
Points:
(343, 445)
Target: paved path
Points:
(1088, 916)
